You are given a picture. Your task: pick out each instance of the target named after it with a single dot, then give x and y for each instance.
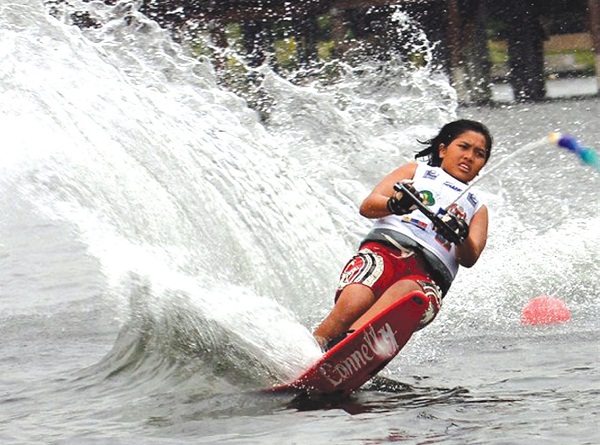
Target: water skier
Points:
(405, 251)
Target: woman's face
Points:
(465, 156)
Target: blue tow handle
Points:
(588, 155)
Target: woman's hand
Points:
(376, 204)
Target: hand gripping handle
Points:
(448, 231)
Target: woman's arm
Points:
(375, 205)
(468, 252)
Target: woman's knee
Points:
(355, 296)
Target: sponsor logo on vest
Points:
(381, 343)
(472, 199)
(427, 197)
(453, 186)
(430, 174)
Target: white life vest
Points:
(441, 190)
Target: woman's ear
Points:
(442, 150)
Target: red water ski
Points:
(365, 352)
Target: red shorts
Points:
(379, 266)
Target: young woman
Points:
(404, 251)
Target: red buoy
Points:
(545, 310)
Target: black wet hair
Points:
(447, 134)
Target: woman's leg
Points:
(389, 297)
(354, 301)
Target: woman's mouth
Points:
(464, 167)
